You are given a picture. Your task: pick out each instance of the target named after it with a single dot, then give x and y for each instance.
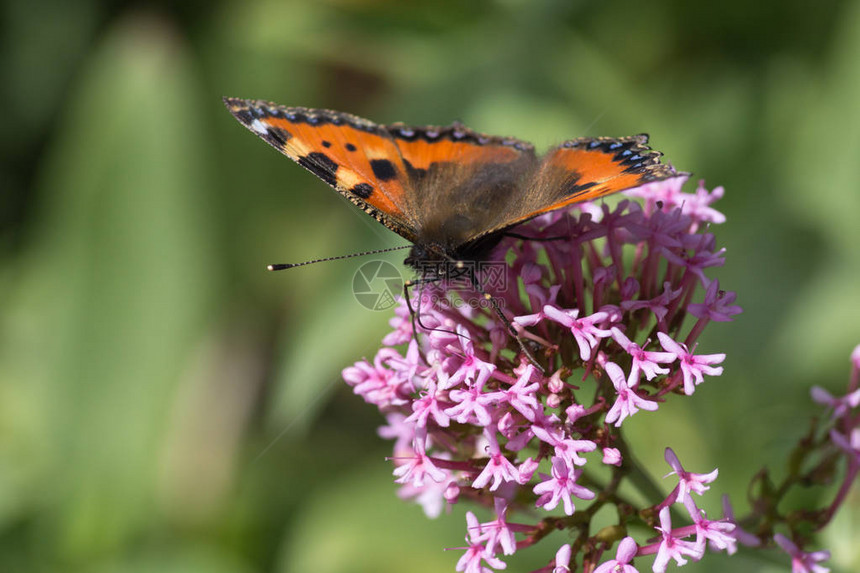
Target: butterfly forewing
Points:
(355, 156)
(586, 169)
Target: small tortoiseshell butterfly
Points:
(450, 191)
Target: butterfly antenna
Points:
(284, 266)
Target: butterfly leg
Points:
(495, 304)
(416, 315)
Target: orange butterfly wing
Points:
(355, 156)
(585, 169)
(421, 147)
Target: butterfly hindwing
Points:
(355, 156)
(460, 180)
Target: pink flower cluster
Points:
(611, 302)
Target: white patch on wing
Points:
(259, 127)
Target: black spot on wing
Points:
(320, 165)
(363, 190)
(326, 143)
(350, 147)
(383, 169)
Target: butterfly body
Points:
(451, 191)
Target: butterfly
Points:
(450, 191)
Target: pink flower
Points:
(611, 456)
(521, 396)
(418, 468)
(377, 383)
(802, 562)
(840, 405)
(473, 417)
(645, 361)
(498, 469)
(472, 405)
(562, 559)
(472, 365)
(470, 562)
(628, 402)
(426, 406)
(584, 330)
(688, 481)
(698, 206)
(658, 305)
(848, 444)
(623, 556)
(718, 533)
(498, 531)
(692, 366)
(565, 446)
(701, 259)
(560, 486)
(717, 305)
(672, 547)
(398, 430)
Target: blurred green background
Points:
(167, 405)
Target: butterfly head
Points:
(431, 260)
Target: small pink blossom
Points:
(848, 444)
(498, 469)
(658, 305)
(717, 305)
(418, 467)
(584, 330)
(498, 532)
(428, 406)
(698, 206)
(471, 365)
(471, 561)
(472, 405)
(611, 456)
(521, 396)
(840, 405)
(801, 561)
(623, 556)
(672, 547)
(628, 402)
(565, 446)
(643, 360)
(703, 256)
(560, 486)
(562, 559)
(688, 481)
(693, 367)
(719, 534)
